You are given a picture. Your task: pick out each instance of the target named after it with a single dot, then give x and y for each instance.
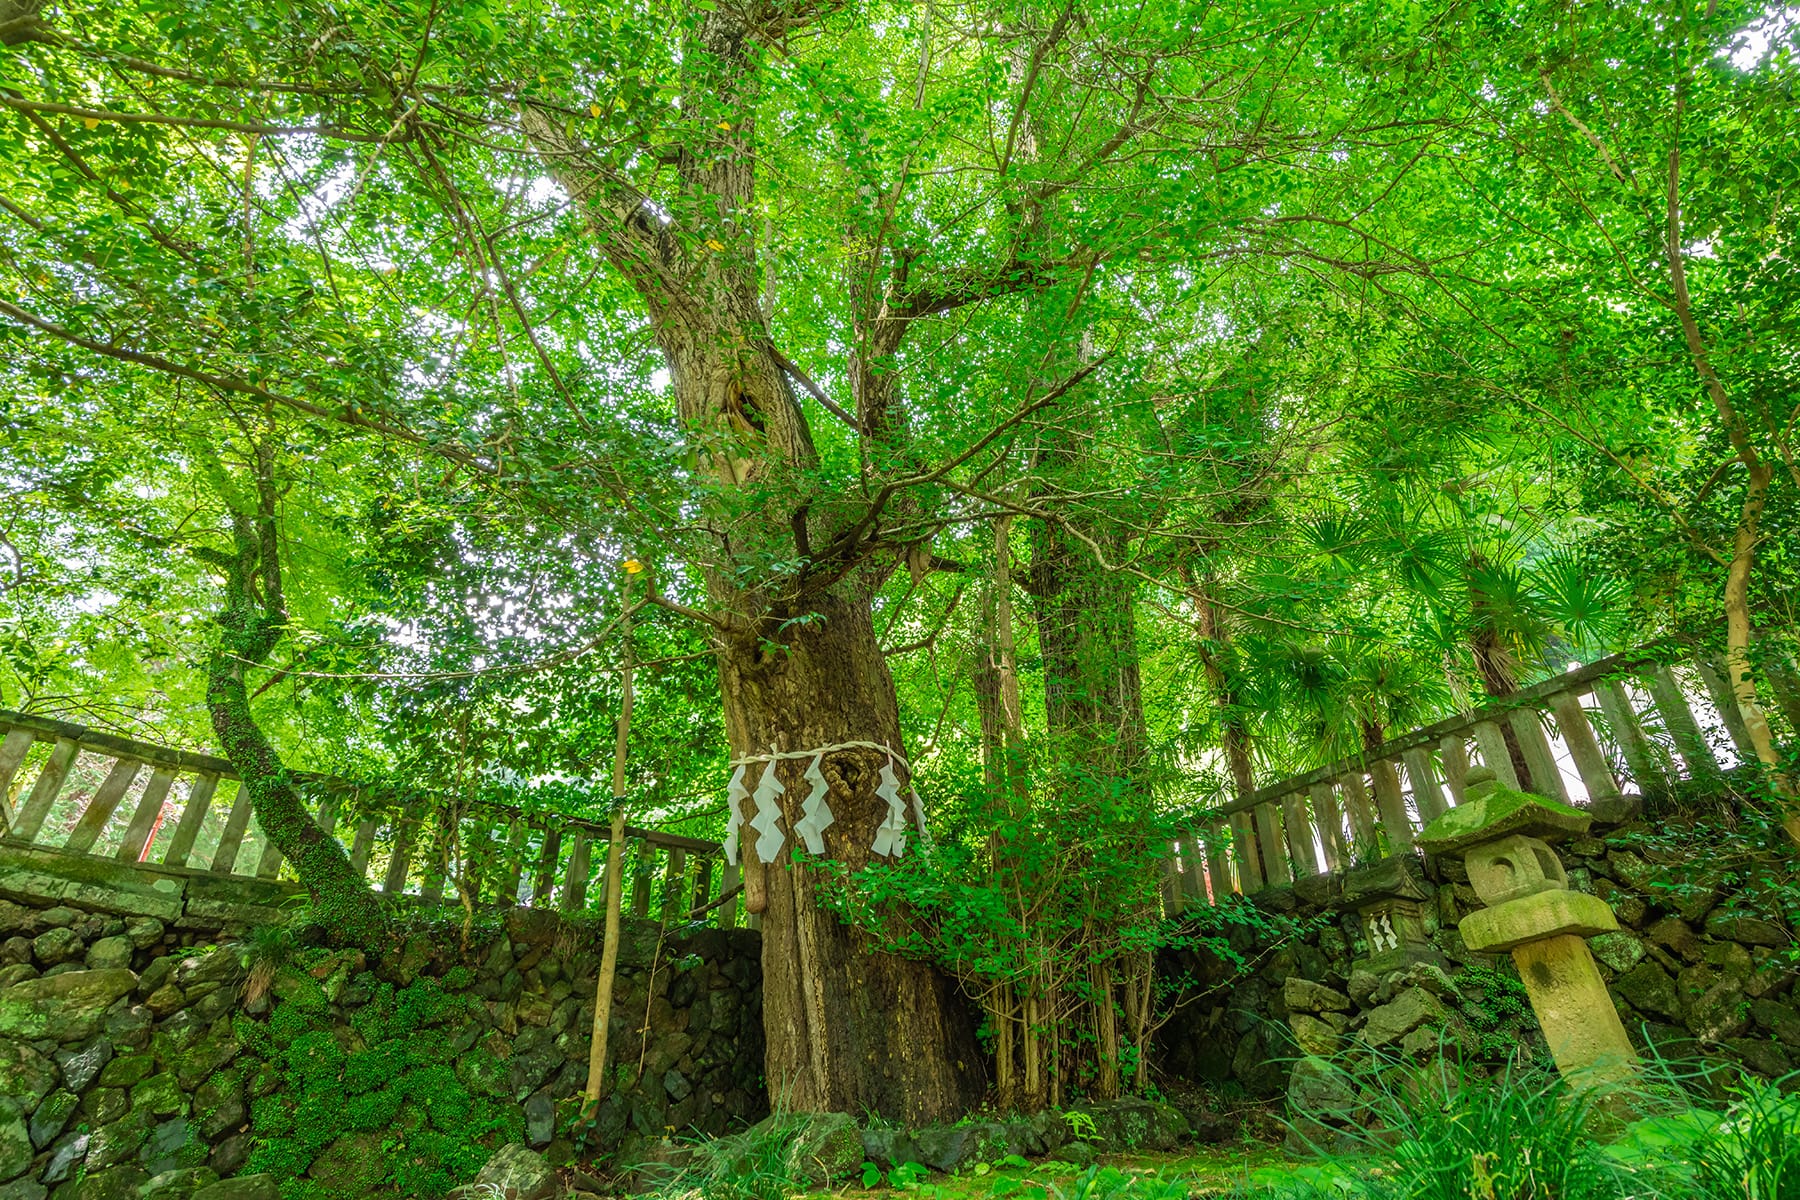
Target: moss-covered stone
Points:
(1491, 811)
(66, 1008)
(128, 1070)
(159, 1095)
(15, 1141)
(119, 1141)
(1532, 918)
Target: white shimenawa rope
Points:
(785, 755)
(890, 837)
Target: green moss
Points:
(400, 1087)
(1494, 812)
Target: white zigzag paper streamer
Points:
(815, 813)
(769, 838)
(918, 807)
(735, 794)
(890, 838)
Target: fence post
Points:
(1640, 757)
(1218, 865)
(268, 863)
(1584, 748)
(144, 821)
(674, 875)
(545, 879)
(1169, 887)
(643, 880)
(1331, 826)
(44, 791)
(1715, 673)
(575, 880)
(1426, 796)
(100, 809)
(363, 845)
(1274, 850)
(1363, 832)
(1392, 806)
(406, 831)
(1299, 835)
(1540, 759)
(232, 840)
(1678, 718)
(1494, 753)
(1453, 753)
(728, 911)
(1243, 854)
(193, 816)
(13, 750)
(1783, 683)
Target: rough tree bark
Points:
(800, 665)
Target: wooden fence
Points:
(92, 792)
(1624, 723)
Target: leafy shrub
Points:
(393, 1081)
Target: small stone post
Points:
(1503, 837)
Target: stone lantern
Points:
(1503, 837)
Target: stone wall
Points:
(1702, 967)
(135, 1045)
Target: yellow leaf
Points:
(91, 122)
(594, 109)
(714, 245)
(724, 124)
(633, 566)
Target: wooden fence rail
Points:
(1624, 721)
(92, 792)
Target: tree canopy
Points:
(1074, 399)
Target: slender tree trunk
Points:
(1234, 738)
(1493, 662)
(1758, 474)
(615, 883)
(251, 623)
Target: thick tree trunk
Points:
(848, 1030)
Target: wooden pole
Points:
(609, 951)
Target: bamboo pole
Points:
(609, 951)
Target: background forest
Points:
(1169, 397)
